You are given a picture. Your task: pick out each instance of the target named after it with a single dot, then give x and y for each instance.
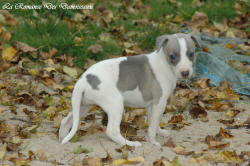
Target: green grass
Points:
(45, 29)
(215, 9)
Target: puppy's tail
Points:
(76, 102)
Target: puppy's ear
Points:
(160, 41)
(196, 40)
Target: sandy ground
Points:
(189, 136)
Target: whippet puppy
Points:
(137, 81)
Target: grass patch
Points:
(216, 10)
(46, 29)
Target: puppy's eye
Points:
(172, 57)
(191, 55)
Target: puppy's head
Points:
(179, 52)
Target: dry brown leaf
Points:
(182, 150)
(232, 113)
(48, 81)
(225, 134)
(92, 161)
(203, 83)
(224, 157)
(23, 47)
(175, 119)
(88, 63)
(218, 144)
(170, 143)
(226, 121)
(127, 130)
(137, 112)
(199, 20)
(95, 48)
(94, 128)
(197, 111)
(50, 54)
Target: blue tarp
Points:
(214, 64)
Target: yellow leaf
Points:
(9, 53)
(178, 19)
(119, 162)
(138, 159)
(34, 72)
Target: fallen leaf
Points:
(232, 113)
(88, 63)
(225, 134)
(21, 161)
(9, 53)
(50, 54)
(95, 48)
(197, 111)
(132, 160)
(175, 119)
(178, 19)
(92, 161)
(226, 121)
(70, 71)
(127, 130)
(23, 47)
(94, 128)
(137, 112)
(224, 157)
(170, 143)
(199, 20)
(162, 162)
(203, 83)
(182, 150)
(218, 144)
(119, 162)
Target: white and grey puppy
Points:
(137, 81)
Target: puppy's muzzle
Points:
(185, 74)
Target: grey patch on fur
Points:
(171, 46)
(82, 98)
(94, 81)
(137, 72)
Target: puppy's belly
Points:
(134, 98)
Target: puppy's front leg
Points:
(154, 120)
(162, 132)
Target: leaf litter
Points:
(47, 85)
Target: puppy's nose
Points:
(185, 74)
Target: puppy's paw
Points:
(163, 132)
(133, 143)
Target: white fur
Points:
(112, 100)
(185, 64)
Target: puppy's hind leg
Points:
(114, 109)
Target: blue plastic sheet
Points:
(213, 64)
